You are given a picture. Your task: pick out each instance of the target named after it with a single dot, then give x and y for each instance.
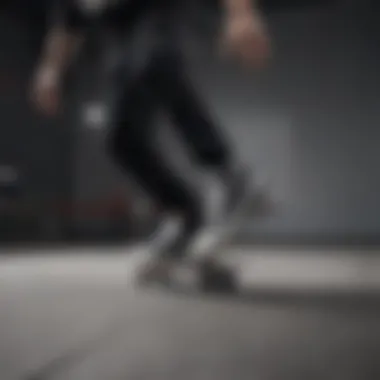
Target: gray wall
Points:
(39, 149)
(309, 124)
(37, 146)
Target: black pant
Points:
(160, 81)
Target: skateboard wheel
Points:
(218, 280)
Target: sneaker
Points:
(180, 247)
(236, 192)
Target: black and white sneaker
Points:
(171, 245)
(237, 188)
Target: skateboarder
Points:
(151, 75)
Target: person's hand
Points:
(46, 92)
(245, 38)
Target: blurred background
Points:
(309, 126)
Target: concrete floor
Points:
(75, 315)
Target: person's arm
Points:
(60, 47)
(59, 50)
(233, 7)
(62, 41)
(245, 34)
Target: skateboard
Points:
(212, 275)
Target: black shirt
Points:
(119, 15)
